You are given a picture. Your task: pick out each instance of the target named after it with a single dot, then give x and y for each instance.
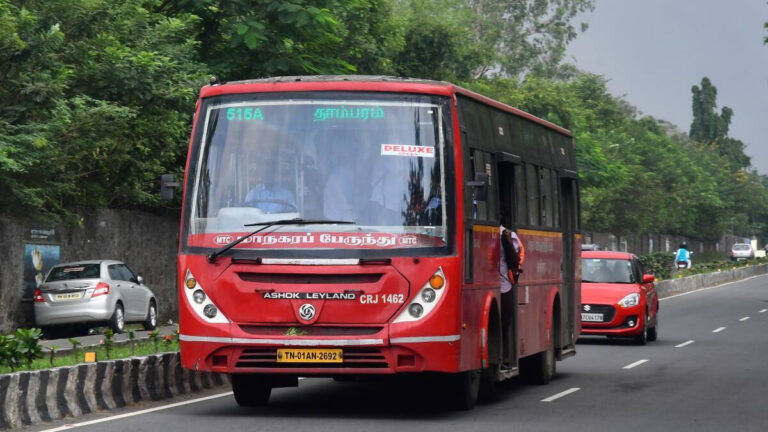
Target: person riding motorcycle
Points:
(683, 256)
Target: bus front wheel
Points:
(251, 390)
(464, 389)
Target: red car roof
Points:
(607, 255)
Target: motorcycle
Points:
(682, 264)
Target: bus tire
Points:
(251, 390)
(541, 367)
(464, 390)
(489, 377)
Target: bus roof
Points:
(364, 83)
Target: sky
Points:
(654, 51)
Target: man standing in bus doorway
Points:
(512, 256)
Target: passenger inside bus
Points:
(336, 148)
(390, 181)
(267, 195)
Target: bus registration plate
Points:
(592, 317)
(309, 356)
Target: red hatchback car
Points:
(618, 300)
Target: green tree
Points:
(437, 41)
(242, 39)
(526, 35)
(96, 99)
(708, 126)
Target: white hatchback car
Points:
(94, 292)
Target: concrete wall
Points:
(641, 244)
(147, 243)
(671, 287)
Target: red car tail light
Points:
(38, 297)
(101, 289)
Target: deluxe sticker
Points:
(407, 150)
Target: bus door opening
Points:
(507, 207)
(569, 209)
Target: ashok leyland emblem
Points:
(307, 312)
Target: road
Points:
(707, 372)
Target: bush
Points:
(10, 355)
(660, 264)
(28, 344)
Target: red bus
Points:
(351, 226)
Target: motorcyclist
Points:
(683, 255)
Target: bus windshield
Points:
(375, 161)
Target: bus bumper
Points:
(365, 356)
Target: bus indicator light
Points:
(436, 281)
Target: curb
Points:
(28, 398)
(670, 287)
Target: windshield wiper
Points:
(296, 221)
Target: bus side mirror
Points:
(167, 185)
(480, 186)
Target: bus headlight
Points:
(199, 296)
(425, 300)
(210, 310)
(201, 302)
(415, 310)
(428, 295)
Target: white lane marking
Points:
(637, 363)
(718, 330)
(710, 288)
(763, 310)
(132, 414)
(744, 319)
(684, 344)
(561, 394)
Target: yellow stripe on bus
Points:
(539, 233)
(486, 228)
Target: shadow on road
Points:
(414, 398)
(605, 341)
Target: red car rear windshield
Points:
(83, 271)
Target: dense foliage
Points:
(96, 98)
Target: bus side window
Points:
(485, 210)
(532, 189)
(520, 195)
(555, 199)
(547, 216)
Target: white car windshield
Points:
(375, 162)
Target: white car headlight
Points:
(630, 300)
